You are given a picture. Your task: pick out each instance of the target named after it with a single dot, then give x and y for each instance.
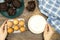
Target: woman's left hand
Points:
(3, 31)
(48, 32)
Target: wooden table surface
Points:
(26, 35)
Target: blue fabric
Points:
(51, 8)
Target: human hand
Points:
(48, 32)
(3, 31)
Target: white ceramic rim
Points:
(32, 30)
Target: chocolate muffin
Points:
(11, 11)
(11, 5)
(16, 3)
(3, 7)
(8, 1)
(31, 6)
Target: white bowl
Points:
(36, 24)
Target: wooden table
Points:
(26, 35)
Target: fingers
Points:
(50, 28)
(4, 24)
(5, 31)
(46, 28)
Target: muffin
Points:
(3, 6)
(11, 11)
(9, 24)
(22, 29)
(8, 1)
(16, 28)
(21, 23)
(11, 5)
(31, 6)
(10, 30)
(16, 22)
(16, 3)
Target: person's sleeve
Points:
(54, 21)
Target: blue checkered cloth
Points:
(51, 8)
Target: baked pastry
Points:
(22, 29)
(11, 5)
(11, 11)
(16, 3)
(16, 28)
(9, 23)
(3, 6)
(10, 30)
(15, 21)
(8, 1)
(31, 6)
(21, 23)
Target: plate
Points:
(36, 24)
(18, 11)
